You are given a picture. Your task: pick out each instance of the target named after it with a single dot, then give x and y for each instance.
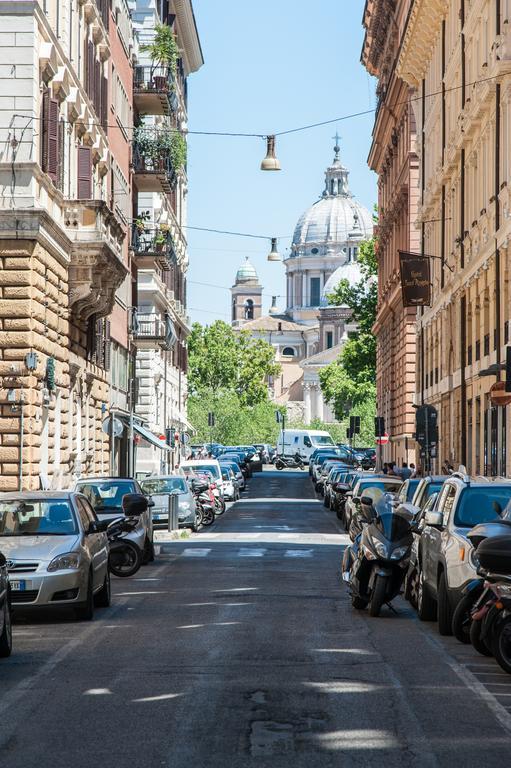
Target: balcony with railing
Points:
(152, 330)
(155, 244)
(154, 90)
(152, 164)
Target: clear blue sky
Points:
(269, 66)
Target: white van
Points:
(303, 441)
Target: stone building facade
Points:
(161, 326)
(394, 159)
(456, 56)
(61, 246)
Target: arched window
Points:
(249, 309)
(288, 352)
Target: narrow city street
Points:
(239, 647)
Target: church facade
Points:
(308, 334)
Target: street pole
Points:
(22, 430)
(111, 425)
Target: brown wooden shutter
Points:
(84, 173)
(45, 107)
(104, 102)
(107, 346)
(100, 343)
(61, 158)
(53, 139)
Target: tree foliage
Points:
(222, 360)
(235, 422)
(348, 383)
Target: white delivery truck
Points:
(302, 441)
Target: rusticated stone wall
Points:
(61, 427)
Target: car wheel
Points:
(85, 612)
(461, 619)
(6, 636)
(426, 606)
(444, 609)
(103, 598)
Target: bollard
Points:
(173, 521)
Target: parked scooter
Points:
(205, 500)
(375, 564)
(289, 462)
(125, 558)
(472, 592)
(490, 630)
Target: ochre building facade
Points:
(456, 57)
(393, 157)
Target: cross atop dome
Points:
(337, 147)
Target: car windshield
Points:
(37, 518)
(321, 440)
(164, 485)
(107, 494)
(382, 485)
(211, 468)
(481, 505)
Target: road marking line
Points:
(195, 552)
(251, 552)
(299, 553)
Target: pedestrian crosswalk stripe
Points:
(246, 552)
(195, 552)
(299, 553)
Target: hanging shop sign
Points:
(498, 394)
(415, 279)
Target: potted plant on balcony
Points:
(162, 50)
(159, 240)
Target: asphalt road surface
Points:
(239, 648)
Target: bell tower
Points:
(247, 295)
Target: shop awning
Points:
(149, 437)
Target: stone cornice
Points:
(420, 36)
(188, 35)
(36, 224)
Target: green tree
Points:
(222, 360)
(235, 422)
(348, 383)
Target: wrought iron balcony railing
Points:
(149, 330)
(157, 243)
(155, 88)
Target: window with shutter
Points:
(100, 343)
(61, 156)
(91, 338)
(84, 188)
(53, 139)
(107, 347)
(44, 129)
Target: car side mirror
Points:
(367, 500)
(98, 526)
(150, 502)
(356, 498)
(435, 519)
(134, 504)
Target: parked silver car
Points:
(159, 489)
(105, 495)
(56, 551)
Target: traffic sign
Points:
(383, 439)
(498, 394)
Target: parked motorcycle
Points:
(125, 558)
(375, 565)
(205, 500)
(490, 630)
(289, 462)
(472, 592)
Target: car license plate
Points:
(18, 586)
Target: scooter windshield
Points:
(391, 523)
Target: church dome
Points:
(247, 273)
(336, 219)
(349, 271)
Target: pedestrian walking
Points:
(413, 470)
(405, 471)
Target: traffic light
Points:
(379, 426)
(355, 425)
(426, 427)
